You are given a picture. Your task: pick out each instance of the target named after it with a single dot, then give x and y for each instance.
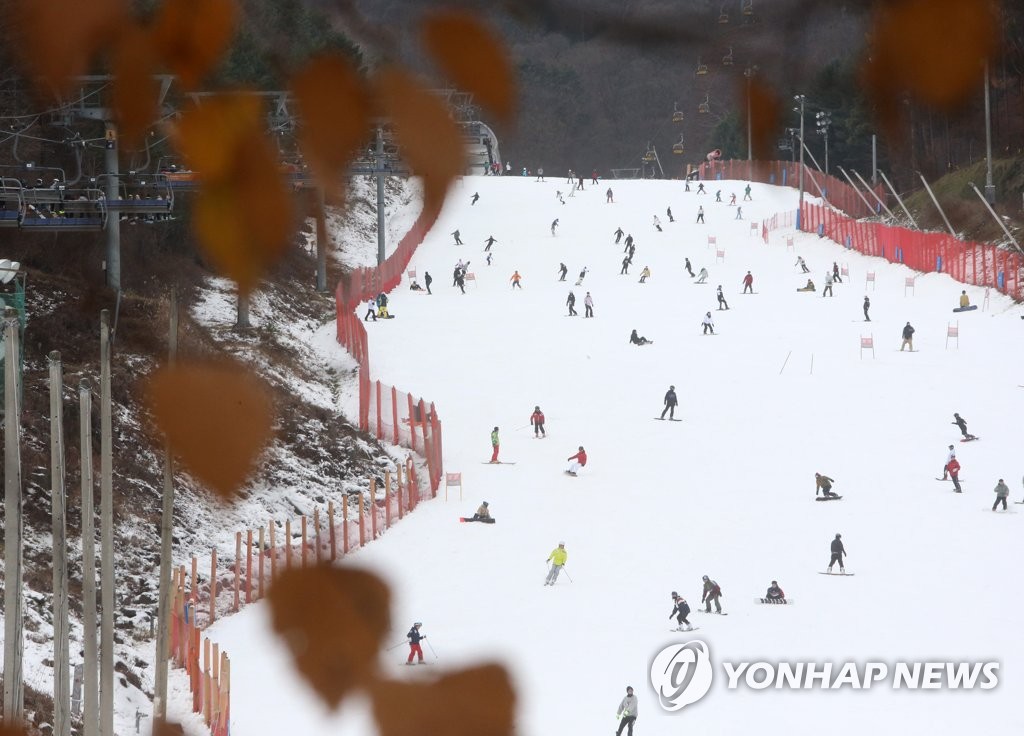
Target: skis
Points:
(569, 472)
(775, 601)
(496, 462)
(465, 519)
(827, 498)
(662, 419)
(837, 574)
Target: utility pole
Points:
(321, 241)
(800, 208)
(90, 694)
(114, 221)
(14, 688)
(874, 159)
(990, 187)
(378, 165)
(61, 671)
(106, 535)
(749, 73)
(166, 564)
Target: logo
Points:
(681, 674)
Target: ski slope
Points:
(727, 492)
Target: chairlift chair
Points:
(11, 203)
(702, 68)
(748, 7)
(705, 107)
(727, 59)
(650, 157)
(678, 148)
(723, 17)
(677, 114)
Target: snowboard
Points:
(499, 462)
(662, 419)
(465, 519)
(837, 574)
(716, 613)
(683, 631)
(949, 480)
(966, 309)
(569, 472)
(416, 663)
(748, 293)
(970, 439)
(774, 602)
(541, 437)
(827, 498)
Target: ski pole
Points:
(567, 573)
(395, 646)
(431, 647)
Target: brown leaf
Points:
(333, 620)
(167, 728)
(430, 140)
(11, 731)
(216, 417)
(56, 39)
(191, 36)
(475, 59)
(764, 118)
(136, 92)
(208, 135)
(335, 108)
(474, 702)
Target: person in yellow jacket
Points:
(557, 559)
(964, 299)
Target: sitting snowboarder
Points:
(483, 514)
(637, 340)
(809, 287)
(824, 484)
(775, 592)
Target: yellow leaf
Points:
(216, 417)
(475, 702)
(430, 140)
(333, 620)
(192, 35)
(334, 106)
(475, 59)
(136, 92)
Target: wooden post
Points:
(61, 666)
(303, 541)
(259, 576)
(213, 585)
(373, 508)
(412, 423)
(387, 499)
(14, 631)
(362, 521)
(90, 681)
(316, 533)
(273, 554)
(206, 681)
(344, 526)
(238, 564)
(215, 685)
(399, 490)
(193, 593)
(287, 544)
(248, 566)
(334, 540)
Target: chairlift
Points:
(702, 68)
(678, 148)
(727, 59)
(650, 156)
(723, 17)
(140, 194)
(748, 7)
(677, 114)
(705, 107)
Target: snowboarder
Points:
(618, 235)
(680, 609)
(828, 284)
(489, 242)
(718, 196)
(554, 226)
(563, 271)
(824, 484)
(775, 592)
(748, 283)
(712, 592)
(645, 274)
(953, 468)
(702, 277)
(709, 325)
(609, 197)
(722, 303)
(700, 188)
(809, 287)
(657, 223)
(627, 711)
(515, 281)
(803, 266)
(489, 257)
(688, 267)
(746, 193)
(540, 174)
(495, 445)
(579, 461)
(671, 401)
(1001, 491)
(557, 559)
(964, 299)
(732, 199)
(427, 281)
(537, 420)
(629, 242)
(838, 552)
(476, 196)
(458, 240)
(371, 310)
(588, 306)
(668, 213)
(637, 340)
(483, 513)
(414, 636)
(908, 338)
(415, 286)
(460, 280)
(583, 275)
(739, 213)
(835, 272)
(700, 214)
(867, 306)
(959, 421)
(949, 458)
(625, 265)
(571, 303)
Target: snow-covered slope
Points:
(779, 393)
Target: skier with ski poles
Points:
(557, 559)
(414, 636)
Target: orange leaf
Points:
(474, 57)
(192, 35)
(333, 620)
(208, 135)
(136, 92)
(216, 417)
(167, 728)
(474, 702)
(430, 140)
(335, 109)
(764, 118)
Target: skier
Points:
(495, 444)
(668, 212)
(476, 196)
(838, 552)
(739, 213)
(632, 251)
(688, 267)
(579, 182)
(428, 280)
(702, 277)
(572, 177)
(775, 592)
(949, 458)
(748, 283)
(629, 242)
(625, 265)
(371, 310)
(824, 484)
(562, 271)
(657, 223)
(609, 197)
(489, 242)
(700, 188)
(583, 275)
(483, 513)
(680, 609)
(712, 592)
(718, 196)
(593, 176)
(803, 266)
(456, 273)
(953, 468)
(722, 303)
(537, 420)
(460, 279)
(540, 174)
(867, 306)
(671, 401)
(458, 240)
(571, 303)
(515, 281)
(709, 325)
(645, 274)
(414, 636)
(1001, 491)
(637, 340)
(627, 711)
(828, 284)
(588, 306)
(618, 235)
(700, 213)
(835, 272)
(579, 461)
(959, 421)
(554, 226)
(746, 193)
(732, 199)
(908, 338)
(557, 559)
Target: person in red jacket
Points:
(953, 468)
(537, 420)
(748, 283)
(579, 460)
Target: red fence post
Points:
(412, 424)
(394, 412)
(344, 527)
(362, 522)
(238, 564)
(248, 565)
(380, 422)
(373, 508)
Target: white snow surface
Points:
(727, 492)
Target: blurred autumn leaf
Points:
(333, 620)
(8, 731)
(765, 111)
(334, 106)
(192, 35)
(216, 417)
(167, 728)
(474, 702)
(136, 92)
(430, 140)
(475, 59)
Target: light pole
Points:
(824, 120)
(749, 73)
(800, 208)
(990, 187)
